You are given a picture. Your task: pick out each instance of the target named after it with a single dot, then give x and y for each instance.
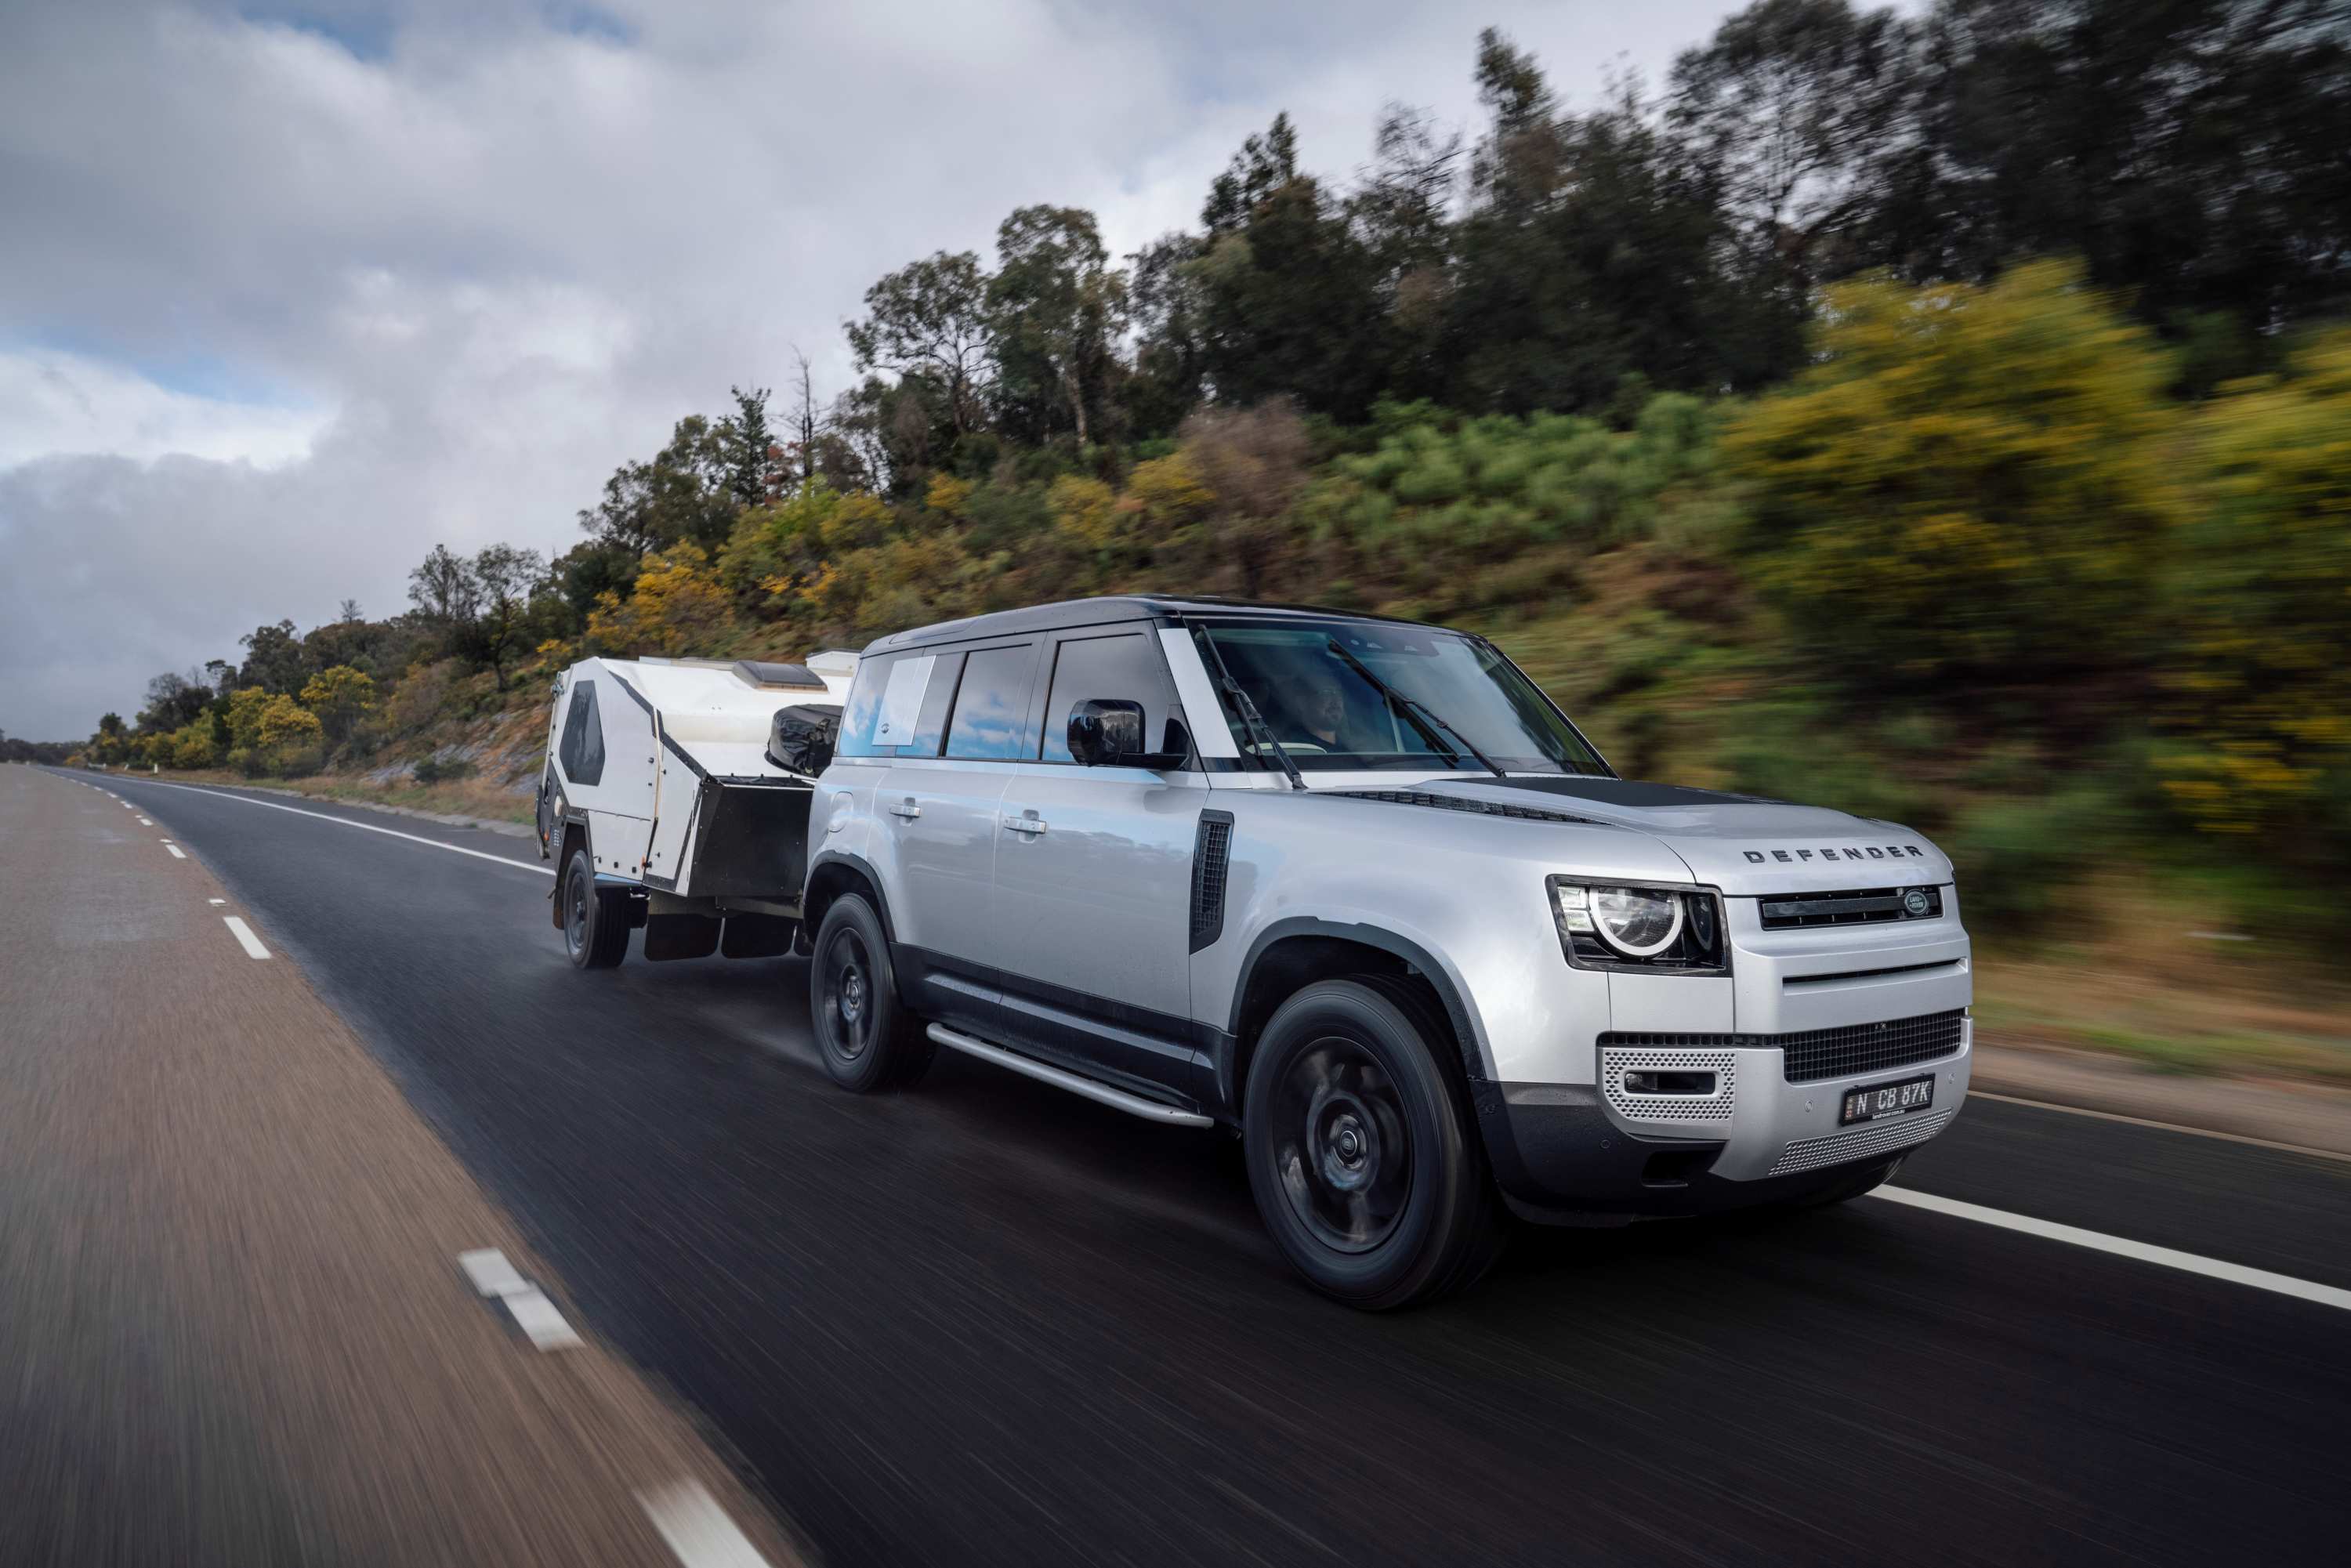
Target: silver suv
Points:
(1357, 892)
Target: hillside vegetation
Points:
(2048, 558)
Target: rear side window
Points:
(898, 706)
(582, 751)
(991, 702)
(1123, 666)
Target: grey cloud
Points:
(506, 254)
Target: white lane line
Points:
(369, 827)
(216, 901)
(490, 1272)
(245, 938)
(533, 1313)
(696, 1527)
(145, 823)
(2096, 1241)
(2161, 1126)
(179, 854)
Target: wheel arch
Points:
(1294, 952)
(834, 874)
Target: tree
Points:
(1402, 212)
(1254, 462)
(1166, 306)
(273, 658)
(339, 696)
(1054, 310)
(173, 701)
(503, 580)
(2259, 712)
(930, 317)
(1288, 300)
(1972, 490)
(684, 494)
(754, 462)
(444, 592)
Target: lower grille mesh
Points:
(1817, 1154)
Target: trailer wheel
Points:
(870, 1042)
(595, 919)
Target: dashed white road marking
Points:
(179, 854)
(216, 901)
(145, 823)
(696, 1527)
(366, 827)
(2161, 1126)
(2120, 1246)
(245, 938)
(533, 1313)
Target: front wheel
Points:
(1361, 1154)
(868, 1039)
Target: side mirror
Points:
(1104, 729)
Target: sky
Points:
(290, 293)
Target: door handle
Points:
(906, 808)
(1025, 824)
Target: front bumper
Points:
(1591, 1151)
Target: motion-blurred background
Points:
(1938, 412)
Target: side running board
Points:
(1117, 1099)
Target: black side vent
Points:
(1460, 803)
(1212, 850)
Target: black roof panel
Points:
(1101, 612)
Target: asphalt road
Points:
(985, 1322)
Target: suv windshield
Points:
(1343, 694)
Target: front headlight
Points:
(1616, 925)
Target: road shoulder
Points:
(230, 1275)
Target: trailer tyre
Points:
(869, 1041)
(595, 919)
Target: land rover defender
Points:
(1357, 892)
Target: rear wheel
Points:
(868, 1039)
(1360, 1154)
(595, 919)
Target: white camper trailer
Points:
(675, 798)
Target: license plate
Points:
(1880, 1100)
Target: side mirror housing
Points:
(1105, 729)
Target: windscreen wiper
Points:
(1423, 717)
(1258, 730)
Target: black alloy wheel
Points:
(1362, 1154)
(869, 1041)
(1341, 1145)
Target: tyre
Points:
(1850, 1185)
(869, 1041)
(595, 919)
(1362, 1155)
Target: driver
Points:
(1320, 709)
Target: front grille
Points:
(1864, 906)
(1810, 1055)
(1818, 1154)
